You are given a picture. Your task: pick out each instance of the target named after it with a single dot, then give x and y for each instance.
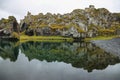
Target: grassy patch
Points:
(100, 38)
(25, 38)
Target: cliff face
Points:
(9, 27)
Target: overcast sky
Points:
(19, 8)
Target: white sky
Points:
(19, 8)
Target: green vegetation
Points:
(100, 38)
(25, 38)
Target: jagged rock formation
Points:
(9, 27)
(86, 23)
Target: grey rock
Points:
(111, 46)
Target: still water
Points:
(56, 61)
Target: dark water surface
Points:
(56, 61)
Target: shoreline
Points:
(57, 38)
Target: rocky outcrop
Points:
(9, 27)
(89, 22)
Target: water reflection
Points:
(79, 55)
(9, 50)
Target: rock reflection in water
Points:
(9, 50)
(79, 55)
